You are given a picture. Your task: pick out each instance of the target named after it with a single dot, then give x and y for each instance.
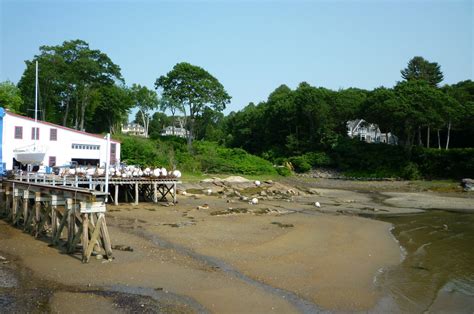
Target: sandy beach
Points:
(217, 253)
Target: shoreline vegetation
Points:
(351, 159)
(351, 130)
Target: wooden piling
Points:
(15, 204)
(116, 194)
(37, 223)
(136, 194)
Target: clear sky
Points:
(250, 46)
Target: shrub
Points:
(283, 171)
(410, 172)
(218, 159)
(455, 163)
(300, 164)
(373, 160)
(137, 151)
(317, 159)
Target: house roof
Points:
(58, 126)
(175, 129)
(133, 125)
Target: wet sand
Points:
(291, 258)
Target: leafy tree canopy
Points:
(145, 100)
(10, 96)
(69, 76)
(195, 89)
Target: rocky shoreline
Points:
(217, 246)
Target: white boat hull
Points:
(30, 155)
(31, 158)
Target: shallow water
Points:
(437, 273)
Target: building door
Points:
(52, 161)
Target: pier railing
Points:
(124, 189)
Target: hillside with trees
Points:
(305, 127)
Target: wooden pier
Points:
(71, 210)
(72, 217)
(126, 190)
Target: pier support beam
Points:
(136, 194)
(116, 194)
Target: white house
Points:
(369, 132)
(134, 129)
(169, 130)
(61, 145)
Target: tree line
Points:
(416, 110)
(83, 88)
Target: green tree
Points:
(112, 106)
(278, 123)
(427, 107)
(168, 104)
(458, 111)
(345, 106)
(159, 121)
(209, 126)
(69, 75)
(244, 128)
(195, 89)
(10, 96)
(145, 100)
(382, 108)
(314, 120)
(420, 69)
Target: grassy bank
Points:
(206, 157)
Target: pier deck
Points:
(128, 190)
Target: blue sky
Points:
(250, 46)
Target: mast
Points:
(36, 95)
(36, 107)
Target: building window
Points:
(35, 133)
(52, 161)
(113, 153)
(84, 146)
(19, 132)
(53, 134)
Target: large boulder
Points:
(236, 179)
(467, 184)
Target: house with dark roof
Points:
(369, 132)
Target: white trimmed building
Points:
(61, 145)
(170, 130)
(134, 129)
(369, 132)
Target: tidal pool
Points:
(437, 272)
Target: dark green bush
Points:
(300, 164)
(317, 159)
(353, 157)
(218, 159)
(208, 157)
(380, 160)
(454, 163)
(411, 172)
(283, 171)
(369, 160)
(139, 151)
